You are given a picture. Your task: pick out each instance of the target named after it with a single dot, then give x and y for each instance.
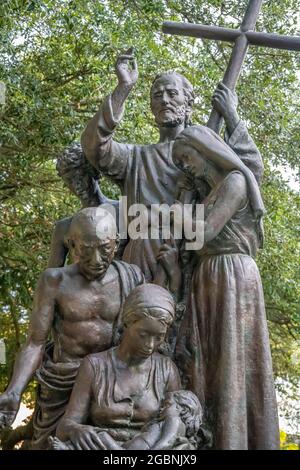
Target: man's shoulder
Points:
(54, 276)
(130, 269)
(63, 224)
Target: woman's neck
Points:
(123, 354)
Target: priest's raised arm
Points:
(101, 150)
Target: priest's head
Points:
(172, 97)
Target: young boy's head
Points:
(185, 404)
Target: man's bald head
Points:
(93, 237)
(93, 223)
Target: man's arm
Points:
(232, 196)
(236, 134)
(59, 249)
(97, 143)
(31, 354)
(72, 426)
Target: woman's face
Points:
(189, 160)
(144, 336)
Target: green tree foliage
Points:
(57, 62)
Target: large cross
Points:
(241, 38)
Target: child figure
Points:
(175, 428)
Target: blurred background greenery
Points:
(57, 63)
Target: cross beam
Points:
(276, 41)
(241, 38)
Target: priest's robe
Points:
(146, 174)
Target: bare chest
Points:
(79, 300)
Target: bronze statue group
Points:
(110, 374)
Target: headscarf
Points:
(213, 148)
(145, 300)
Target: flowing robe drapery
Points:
(56, 379)
(146, 174)
(223, 342)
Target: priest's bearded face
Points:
(169, 102)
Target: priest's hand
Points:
(126, 69)
(225, 101)
(9, 406)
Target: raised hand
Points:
(9, 406)
(225, 101)
(126, 68)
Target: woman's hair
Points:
(190, 410)
(212, 148)
(149, 301)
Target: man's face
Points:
(168, 101)
(94, 255)
(79, 185)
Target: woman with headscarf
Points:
(118, 391)
(223, 344)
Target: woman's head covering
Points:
(213, 148)
(149, 300)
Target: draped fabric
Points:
(124, 415)
(55, 384)
(56, 379)
(223, 343)
(146, 174)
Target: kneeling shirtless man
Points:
(80, 306)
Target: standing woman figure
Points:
(223, 343)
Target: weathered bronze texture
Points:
(75, 304)
(107, 380)
(242, 38)
(223, 346)
(120, 391)
(146, 173)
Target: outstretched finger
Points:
(134, 64)
(130, 51)
(222, 86)
(90, 443)
(124, 57)
(170, 242)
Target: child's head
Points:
(78, 174)
(188, 407)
